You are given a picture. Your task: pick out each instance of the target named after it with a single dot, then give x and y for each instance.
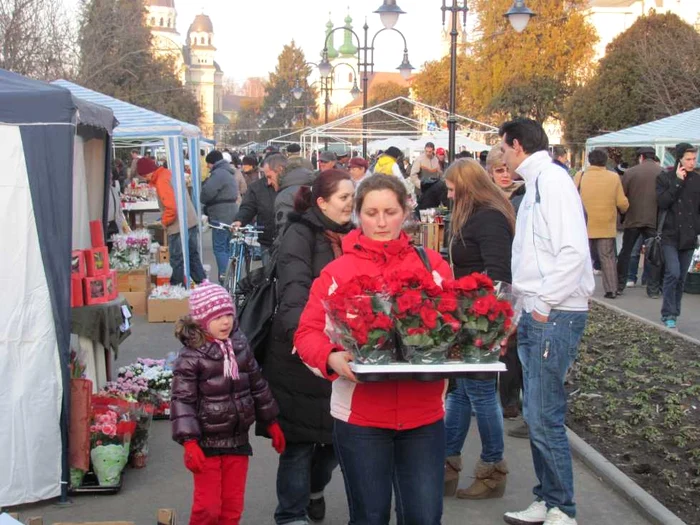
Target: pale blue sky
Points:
(249, 35)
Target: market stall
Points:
(37, 138)
(139, 126)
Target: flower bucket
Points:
(108, 461)
(138, 453)
(76, 477)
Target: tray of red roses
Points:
(415, 325)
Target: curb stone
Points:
(644, 320)
(647, 504)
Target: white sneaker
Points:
(631, 284)
(557, 517)
(535, 514)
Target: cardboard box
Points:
(97, 261)
(431, 236)
(77, 263)
(137, 300)
(163, 255)
(77, 298)
(167, 310)
(97, 234)
(112, 291)
(134, 280)
(95, 290)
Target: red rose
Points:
(481, 306)
(478, 342)
(417, 331)
(429, 315)
(383, 322)
(483, 280)
(466, 284)
(409, 301)
(447, 303)
(507, 324)
(452, 322)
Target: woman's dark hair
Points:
(325, 185)
(379, 182)
(190, 333)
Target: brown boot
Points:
(489, 482)
(453, 464)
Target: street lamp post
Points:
(518, 16)
(389, 13)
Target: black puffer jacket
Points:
(215, 410)
(304, 398)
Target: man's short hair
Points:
(275, 161)
(429, 145)
(529, 134)
(598, 157)
(135, 151)
(559, 151)
(213, 156)
(249, 160)
(293, 148)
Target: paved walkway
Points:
(636, 301)
(165, 483)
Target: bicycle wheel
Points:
(230, 277)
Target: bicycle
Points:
(243, 240)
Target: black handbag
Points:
(258, 310)
(652, 246)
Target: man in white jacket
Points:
(552, 271)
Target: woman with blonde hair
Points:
(482, 228)
(501, 175)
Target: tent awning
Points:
(27, 101)
(134, 121)
(669, 131)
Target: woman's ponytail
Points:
(303, 200)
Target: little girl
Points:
(217, 393)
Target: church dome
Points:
(201, 24)
(162, 3)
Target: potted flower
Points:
(110, 436)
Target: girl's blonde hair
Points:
(474, 189)
(190, 334)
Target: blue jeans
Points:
(676, 265)
(482, 397)
(177, 261)
(304, 469)
(374, 459)
(221, 240)
(546, 351)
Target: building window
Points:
(168, 22)
(161, 21)
(201, 40)
(209, 40)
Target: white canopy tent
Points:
(659, 134)
(387, 124)
(462, 140)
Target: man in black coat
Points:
(259, 202)
(678, 195)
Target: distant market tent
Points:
(659, 134)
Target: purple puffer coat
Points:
(217, 411)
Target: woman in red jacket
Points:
(386, 433)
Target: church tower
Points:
(162, 18)
(344, 62)
(202, 70)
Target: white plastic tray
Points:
(407, 368)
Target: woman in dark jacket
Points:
(482, 225)
(311, 241)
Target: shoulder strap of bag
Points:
(660, 226)
(424, 257)
(580, 181)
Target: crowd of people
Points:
(330, 219)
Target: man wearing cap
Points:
(358, 169)
(639, 185)
(327, 160)
(343, 160)
(161, 179)
(441, 154)
(251, 173)
(295, 158)
(678, 197)
(426, 166)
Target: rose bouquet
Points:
(486, 314)
(357, 319)
(110, 433)
(424, 314)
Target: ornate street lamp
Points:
(355, 91)
(282, 103)
(271, 112)
(297, 91)
(519, 15)
(325, 67)
(389, 13)
(405, 68)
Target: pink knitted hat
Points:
(209, 301)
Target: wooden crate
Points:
(164, 517)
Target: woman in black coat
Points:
(311, 240)
(482, 228)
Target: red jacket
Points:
(398, 405)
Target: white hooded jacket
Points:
(551, 260)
